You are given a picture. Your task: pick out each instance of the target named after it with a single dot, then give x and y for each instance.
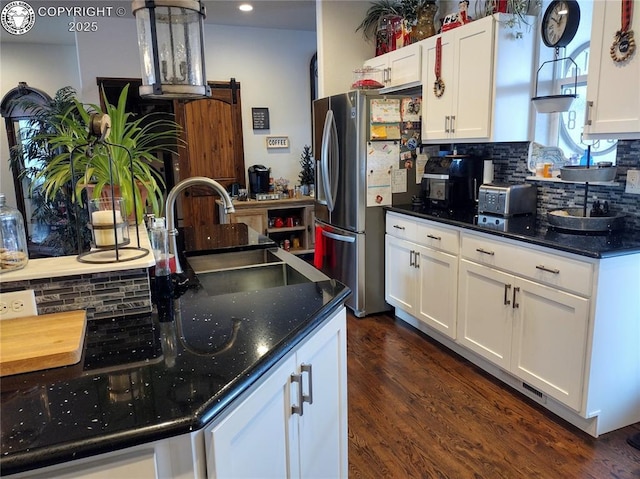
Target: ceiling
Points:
(278, 14)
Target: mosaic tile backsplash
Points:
(510, 166)
(102, 295)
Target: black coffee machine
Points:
(258, 179)
(451, 182)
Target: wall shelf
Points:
(560, 180)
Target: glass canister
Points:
(13, 239)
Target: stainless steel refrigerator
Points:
(349, 234)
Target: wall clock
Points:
(560, 23)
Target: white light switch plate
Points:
(633, 182)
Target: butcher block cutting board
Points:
(40, 342)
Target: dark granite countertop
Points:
(142, 379)
(529, 230)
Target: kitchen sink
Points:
(237, 259)
(249, 278)
(243, 271)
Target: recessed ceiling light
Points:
(245, 7)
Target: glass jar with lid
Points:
(13, 239)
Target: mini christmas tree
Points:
(307, 163)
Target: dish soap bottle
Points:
(13, 239)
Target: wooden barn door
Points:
(212, 131)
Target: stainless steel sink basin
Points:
(233, 260)
(243, 271)
(249, 278)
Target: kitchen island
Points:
(158, 398)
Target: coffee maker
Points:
(258, 180)
(451, 182)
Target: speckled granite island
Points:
(234, 383)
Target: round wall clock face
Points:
(560, 23)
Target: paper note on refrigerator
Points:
(385, 110)
(382, 158)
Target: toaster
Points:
(507, 199)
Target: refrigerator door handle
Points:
(329, 160)
(337, 237)
(325, 157)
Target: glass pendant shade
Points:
(171, 43)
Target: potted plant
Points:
(127, 155)
(307, 174)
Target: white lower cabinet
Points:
(537, 333)
(561, 328)
(421, 280)
(294, 424)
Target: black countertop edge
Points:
(531, 237)
(47, 456)
(208, 412)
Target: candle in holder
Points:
(105, 231)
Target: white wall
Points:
(340, 48)
(271, 65)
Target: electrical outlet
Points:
(633, 182)
(17, 304)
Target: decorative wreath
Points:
(623, 46)
(438, 88)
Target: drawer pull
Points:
(417, 259)
(507, 287)
(515, 290)
(484, 251)
(437, 238)
(548, 270)
(398, 227)
(411, 260)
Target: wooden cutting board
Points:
(40, 342)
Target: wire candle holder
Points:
(108, 219)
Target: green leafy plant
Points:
(127, 156)
(307, 174)
(407, 9)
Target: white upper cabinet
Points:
(487, 68)
(401, 68)
(613, 88)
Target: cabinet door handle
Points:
(398, 227)
(437, 238)
(515, 291)
(411, 260)
(587, 113)
(306, 368)
(417, 259)
(507, 287)
(548, 270)
(446, 123)
(453, 124)
(484, 251)
(297, 378)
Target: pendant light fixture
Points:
(171, 43)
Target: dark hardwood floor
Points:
(418, 410)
